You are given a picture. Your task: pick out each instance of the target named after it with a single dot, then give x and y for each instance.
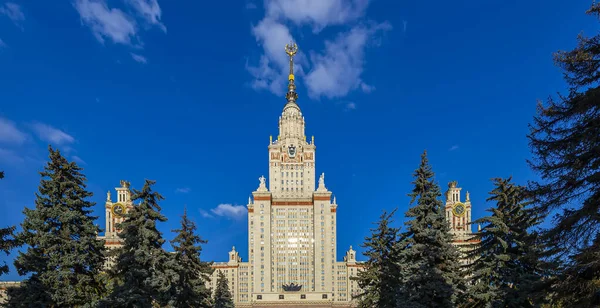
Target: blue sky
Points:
(188, 92)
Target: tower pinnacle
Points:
(290, 50)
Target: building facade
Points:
(114, 214)
(292, 227)
(458, 215)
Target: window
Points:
(280, 296)
(302, 296)
(324, 296)
(258, 296)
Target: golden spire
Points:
(290, 50)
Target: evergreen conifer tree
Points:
(190, 290)
(380, 277)
(223, 297)
(429, 264)
(143, 271)
(64, 256)
(6, 244)
(508, 269)
(564, 140)
(7, 241)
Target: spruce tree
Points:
(380, 277)
(429, 263)
(64, 256)
(7, 242)
(223, 298)
(565, 143)
(143, 271)
(190, 290)
(508, 269)
(579, 285)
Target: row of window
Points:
(281, 296)
(292, 174)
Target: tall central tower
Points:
(291, 224)
(291, 227)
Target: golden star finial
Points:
(291, 49)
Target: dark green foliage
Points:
(143, 271)
(429, 264)
(223, 298)
(507, 270)
(190, 290)
(579, 285)
(565, 140)
(28, 294)
(7, 241)
(380, 278)
(63, 256)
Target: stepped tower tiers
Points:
(458, 215)
(291, 227)
(291, 157)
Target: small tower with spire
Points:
(234, 257)
(115, 213)
(458, 212)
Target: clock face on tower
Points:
(458, 209)
(118, 209)
(292, 151)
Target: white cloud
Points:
(139, 58)
(183, 190)
(453, 148)
(10, 157)
(14, 12)
(251, 6)
(9, 133)
(78, 160)
(273, 67)
(338, 70)
(350, 106)
(2, 44)
(229, 211)
(150, 12)
(52, 135)
(206, 214)
(318, 14)
(107, 23)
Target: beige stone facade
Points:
(458, 214)
(114, 212)
(292, 231)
